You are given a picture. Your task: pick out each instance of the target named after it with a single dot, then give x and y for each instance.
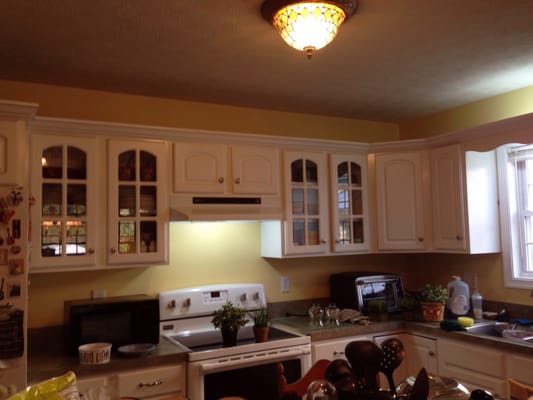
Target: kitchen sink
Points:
(503, 330)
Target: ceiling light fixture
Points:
(307, 25)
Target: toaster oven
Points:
(356, 289)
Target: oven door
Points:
(249, 375)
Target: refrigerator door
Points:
(13, 289)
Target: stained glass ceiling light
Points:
(307, 25)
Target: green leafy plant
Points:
(408, 302)
(433, 293)
(229, 317)
(260, 317)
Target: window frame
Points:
(512, 237)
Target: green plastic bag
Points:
(58, 388)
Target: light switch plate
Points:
(285, 284)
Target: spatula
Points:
(420, 389)
(393, 355)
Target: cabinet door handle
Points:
(459, 237)
(420, 239)
(150, 384)
(113, 250)
(431, 353)
(323, 241)
(338, 353)
(221, 179)
(237, 180)
(90, 250)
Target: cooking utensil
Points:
(364, 356)
(393, 355)
(440, 387)
(421, 386)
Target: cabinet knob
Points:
(221, 179)
(420, 239)
(237, 180)
(113, 250)
(459, 237)
(323, 241)
(90, 250)
(431, 353)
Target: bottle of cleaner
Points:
(458, 302)
(477, 307)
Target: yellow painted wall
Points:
(199, 253)
(512, 104)
(63, 102)
(231, 254)
(439, 268)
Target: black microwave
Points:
(120, 320)
(356, 289)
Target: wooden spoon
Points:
(393, 355)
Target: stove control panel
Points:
(203, 300)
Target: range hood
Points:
(224, 208)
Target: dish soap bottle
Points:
(477, 308)
(458, 302)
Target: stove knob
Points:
(171, 304)
(243, 297)
(256, 296)
(187, 303)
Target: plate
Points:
(136, 350)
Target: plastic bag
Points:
(62, 387)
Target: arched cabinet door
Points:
(349, 203)
(306, 203)
(137, 203)
(64, 186)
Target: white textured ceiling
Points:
(393, 60)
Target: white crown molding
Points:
(16, 110)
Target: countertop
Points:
(47, 361)
(47, 358)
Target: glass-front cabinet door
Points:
(63, 174)
(349, 220)
(306, 203)
(138, 204)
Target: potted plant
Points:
(432, 300)
(408, 304)
(229, 318)
(261, 328)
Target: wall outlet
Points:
(285, 284)
(98, 293)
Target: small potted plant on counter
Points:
(229, 318)
(261, 328)
(408, 304)
(432, 301)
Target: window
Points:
(515, 164)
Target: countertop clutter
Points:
(50, 359)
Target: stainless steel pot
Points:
(440, 388)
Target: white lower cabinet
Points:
(333, 348)
(401, 372)
(473, 366)
(520, 368)
(152, 383)
(147, 383)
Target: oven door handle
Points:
(254, 359)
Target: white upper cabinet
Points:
(349, 203)
(400, 201)
(304, 231)
(137, 202)
(464, 200)
(14, 118)
(225, 169)
(64, 185)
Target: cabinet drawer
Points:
(333, 349)
(152, 382)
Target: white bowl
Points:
(95, 353)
